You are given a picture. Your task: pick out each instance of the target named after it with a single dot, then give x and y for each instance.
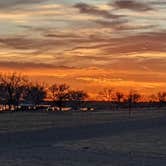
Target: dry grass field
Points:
(78, 139)
(25, 121)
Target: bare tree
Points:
(59, 94)
(77, 98)
(3, 101)
(13, 86)
(152, 98)
(106, 94)
(119, 98)
(35, 93)
(161, 96)
(132, 98)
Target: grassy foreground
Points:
(144, 146)
(25, 121)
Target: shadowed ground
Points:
(97, 140)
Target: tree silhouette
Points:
(59, 94)
(13, 86)
(132, 98)
(35, 94)
(77, 98)
(119, 97)
(3, 101)
(161, 97)
(153, 98)
(106, 94)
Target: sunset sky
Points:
(88, 44)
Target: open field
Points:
(25, 121)
(79, 139)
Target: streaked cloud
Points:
(92, 42)
(93, 10)
(15, 3)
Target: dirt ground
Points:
(83, 139)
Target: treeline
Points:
(133, 96)
(18, 92)
(132, 99)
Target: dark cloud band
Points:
(132, 5)
(92, 10)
